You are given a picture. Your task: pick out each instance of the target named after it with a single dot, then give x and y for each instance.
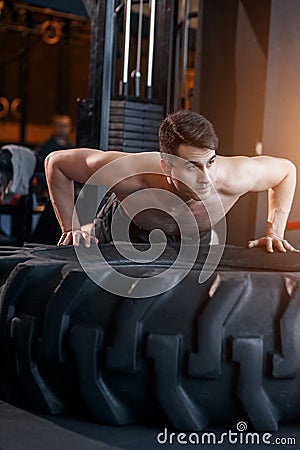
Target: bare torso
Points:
(156, 209)
(209, 182)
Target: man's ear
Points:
(165, 167)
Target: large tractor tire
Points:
(219, 352)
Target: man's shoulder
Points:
(234, 174)
(143, 161)
(48, 146)
(230, 164)
(51, 145)
(234, 159)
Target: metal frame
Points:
(196, 101)
(23, 83)
(63, 87)
(101, 14)
(102, 52)
(167, 13)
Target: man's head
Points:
(187, 144)
(62, 127)
(187, 128)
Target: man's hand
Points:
(271, 242)
(73, 237)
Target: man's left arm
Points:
(278, 175)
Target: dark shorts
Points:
(107, 209)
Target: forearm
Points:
(280, 202)
(277, 222)
(61, 191)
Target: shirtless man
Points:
(195, 174)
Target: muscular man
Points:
(187, 167)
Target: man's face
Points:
(196, 169)
(62, 127)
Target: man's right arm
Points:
(65, 166)
(61, 170)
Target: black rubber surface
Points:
(23, 430)
(199, 354)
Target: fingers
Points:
(94, 240)
(263, 242)
(66, 239)
(284, 246)
(87, 239)
(61, 240)
(255, 243)
(79, 235)
(289, 247)
(75, 237)
(271, 244)
(278, 245)
(251, 244)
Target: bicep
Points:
(259, 173)
(268, 172)
(71, 163)
(96, 167)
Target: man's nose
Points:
(203, 174)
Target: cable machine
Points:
(128, 97)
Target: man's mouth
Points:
(203, 187)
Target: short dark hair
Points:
(186, 127)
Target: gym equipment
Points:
(134, 124)
(218, 352)
(104, 65)
(4, 107)
(136, 74)
(51, 32)
(151, 49)
(134, 120)
(126, 48)
(181, 56)
(185, 49)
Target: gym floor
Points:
(24, 430)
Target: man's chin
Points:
(201, 194)
(204, 194)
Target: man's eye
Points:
(211, 161)
(189, 166)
